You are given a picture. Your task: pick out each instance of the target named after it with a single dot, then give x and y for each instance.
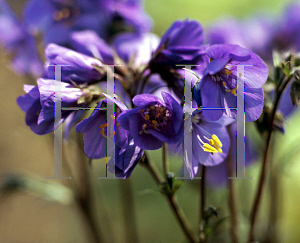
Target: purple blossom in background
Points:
(153, 122)
(39, 104)
(57, 19)
(218, 87)
(131, 13)
(15, 38)
(286, 35)
(253, 33)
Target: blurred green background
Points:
(28, 218)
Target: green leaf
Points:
(37, 186)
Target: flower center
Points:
(227, 79)
(65, 11)
(214, 145)
(103, 128)
(155, 117)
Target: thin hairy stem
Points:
(257, 200)
(185, 225)
(128, 209)
(165, 160)
(232, 202)
(202, 206)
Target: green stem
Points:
(185, 225)
(85, 198)
(202, 206)
(127, 205)
(256, 204)
(165, 160)
(232, 202)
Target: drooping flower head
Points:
(39, 104)
(78, 67)
(218, 87)
(153, 121)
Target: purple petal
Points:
(144, 99)
(216, 65)
(145, 141)
(89, 43)
(254, 101)
(211, 98)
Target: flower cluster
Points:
(148, 86)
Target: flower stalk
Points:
(265, 164)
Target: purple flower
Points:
(125, 160)
(80, 69)
(286, 35)
(39, 104)
(130, 13)
(218, 86)
(153, 122)
(56, 19)
(95, 132)
(89, 43)
(15, 38)
(210, 142)
(181, 44)
(253, 33)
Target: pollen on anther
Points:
(228, 71)
(146, 117)
(154, 122)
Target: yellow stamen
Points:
(118, 124)
(146, 117)
(224, 84)
(154, 122)
(214, 145)
(65, 12)
(208, 148)
(101, 126)
(216, 140)
(102, 132)
(228, 71)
